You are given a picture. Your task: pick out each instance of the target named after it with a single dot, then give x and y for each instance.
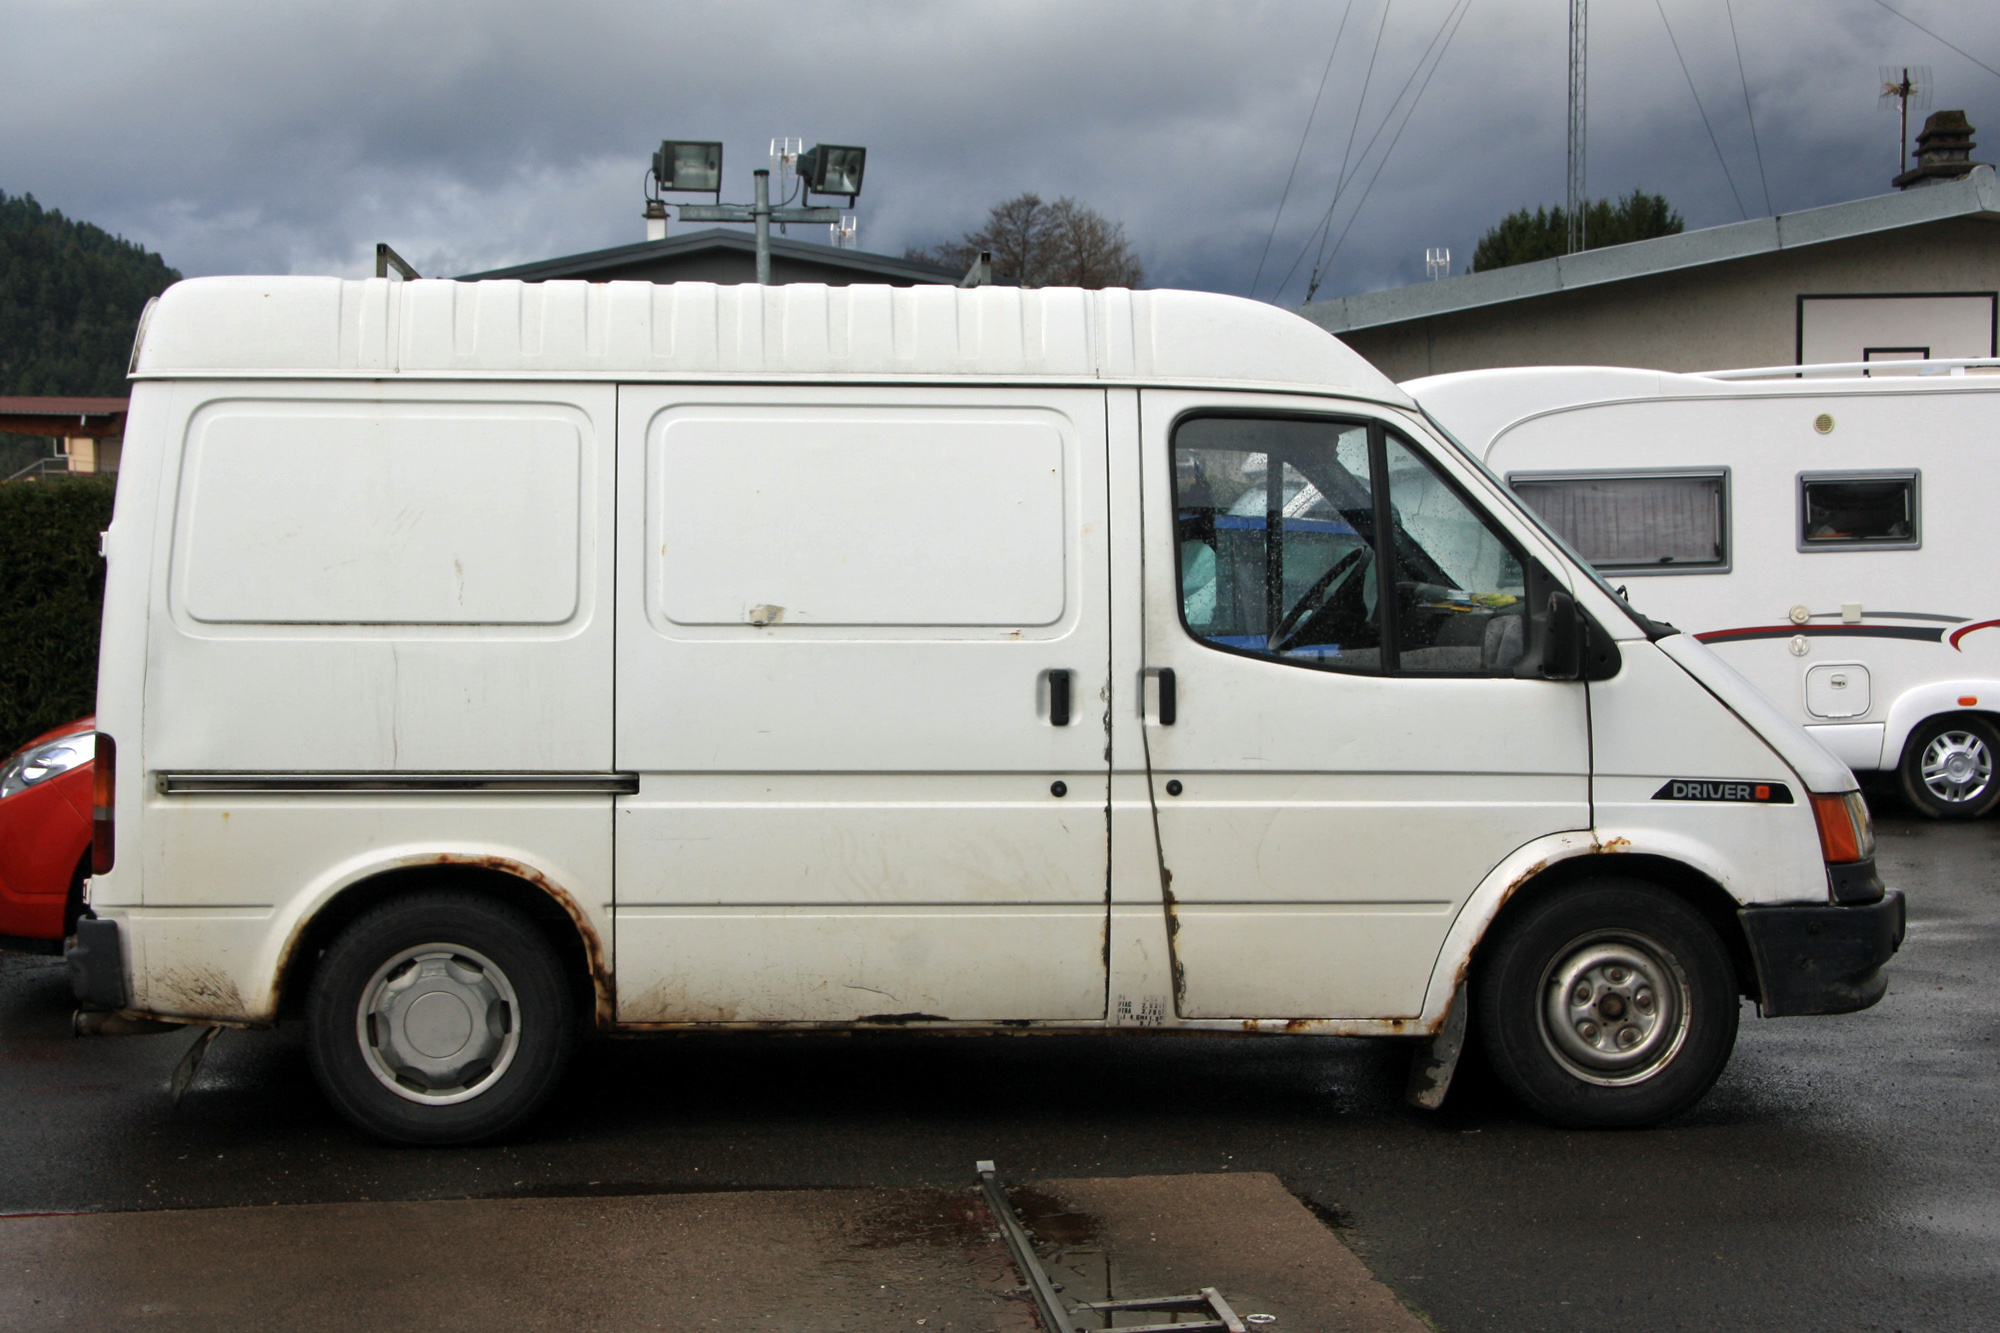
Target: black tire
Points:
(434, 967)
(1962, 755)
(1659, 1023)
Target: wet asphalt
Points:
(1843, 1175)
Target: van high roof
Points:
(375, 328)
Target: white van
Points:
(478, 654)
(1826, 529)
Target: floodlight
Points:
(694, 166)
(831, 168)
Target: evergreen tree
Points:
(70, 297)
(1524, 237)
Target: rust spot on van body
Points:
(1614, 845)
(601, 984)
(1173, 941)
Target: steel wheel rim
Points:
(1615, 1007)
(438, 1024)
(1957, 767)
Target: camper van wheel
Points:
(1607, 1003)
(1948, 767)
(439, 1018)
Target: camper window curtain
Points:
(1635, 522)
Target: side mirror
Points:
(1562, 639)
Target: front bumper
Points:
(1814, 959)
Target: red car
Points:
(45, 796)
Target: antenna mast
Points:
(1901, 85)
(1579, 90)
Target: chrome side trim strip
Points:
(508, 784)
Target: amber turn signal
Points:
(1845, 832)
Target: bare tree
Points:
(1037, 244)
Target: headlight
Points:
(39, 763)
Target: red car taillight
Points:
(103, 800)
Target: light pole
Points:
(830, 169)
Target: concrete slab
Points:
(809, 1259)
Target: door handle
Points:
(1169, 696)
(1059, 697)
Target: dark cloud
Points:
(291, 137)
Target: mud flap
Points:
(1434, 1061)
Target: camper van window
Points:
(1276, 522)
(1655, 522)
(1859, 510)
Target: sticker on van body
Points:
(1724, 789)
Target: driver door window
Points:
(1280, 526)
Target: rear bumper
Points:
(1814, 959)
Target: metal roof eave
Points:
(718, 238)
(1978, 195)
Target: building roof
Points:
(62, 416)
(698, 331)
(1977, 196)
(643, 259)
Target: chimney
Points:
(656, 220)
(1944, 152)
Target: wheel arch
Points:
(1690, 885)
(1550, 864)
(1914, 707)
(554, 911)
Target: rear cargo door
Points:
(849, 621)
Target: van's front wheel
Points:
(439, 1018)
(1612, 1003)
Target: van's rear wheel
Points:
(1948, 767)
(440, 1018)
(1612, 1003)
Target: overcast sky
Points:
(287, 136)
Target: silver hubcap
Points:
(438, 1024)
(1614, 1008)
(1957, 767)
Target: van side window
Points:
(1460, 592)
(1277, 522)
(1655, 522)
(1844, 511)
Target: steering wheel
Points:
(1280, 639)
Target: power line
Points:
(1391, 150)
(1927, 32)
(1287, 194)
(1317, 238)
(1704, 113)
(1744, 79)
(1321, 258)
(1340, 179)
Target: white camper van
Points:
(480, 655)
(1826, 529)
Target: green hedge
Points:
(51, 599)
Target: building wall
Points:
(1741, 312)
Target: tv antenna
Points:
(1579, 93)
(1902, 85)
